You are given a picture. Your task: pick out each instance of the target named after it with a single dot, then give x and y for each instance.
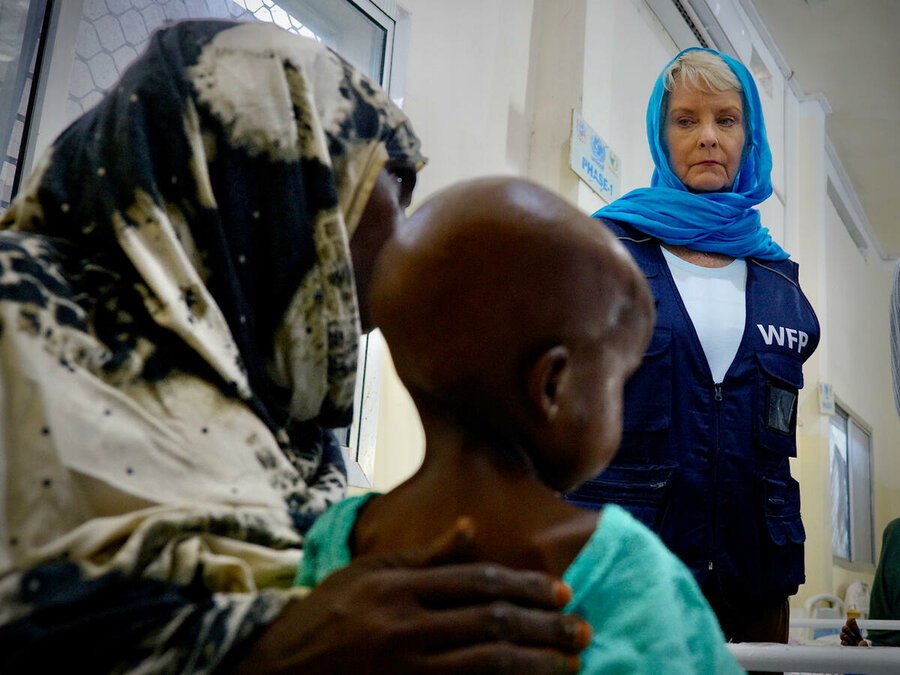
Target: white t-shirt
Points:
(715, 301)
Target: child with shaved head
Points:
(514, 320)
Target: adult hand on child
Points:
(425, 612)
(851, 636)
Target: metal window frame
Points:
(386, 21)
(46, 8)
(359, 453)
(839, 414)
(854, 562)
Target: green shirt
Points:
(885, 600)
(647, 612)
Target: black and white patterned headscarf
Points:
(179, 328)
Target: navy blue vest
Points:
(705, 464)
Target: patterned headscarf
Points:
(179, 317)
(723, 222)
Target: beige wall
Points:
(850, 291)
(857, 352)
(811, 468)
(490, 88)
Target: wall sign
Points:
(826, 399)
(593, 160)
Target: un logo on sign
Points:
(598, 150)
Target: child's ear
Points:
(546, 380)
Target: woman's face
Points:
(705, 135)
(384, 213)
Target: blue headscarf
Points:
(722, 222)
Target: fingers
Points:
(502, 622)
(444, 580)
(851, 636)
(369, 617)
(478, 583)
(501, 658)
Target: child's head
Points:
(512, 314)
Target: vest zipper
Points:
(718, 398)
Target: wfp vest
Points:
(705, 464)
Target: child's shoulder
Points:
(619, 535)
(626, 551)
(326, 547)
(641, 598)
(341, 515)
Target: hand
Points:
(851, 636)
(424, 613)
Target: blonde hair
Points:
(701, 70)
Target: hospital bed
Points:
(809, 658)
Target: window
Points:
(21, 36)
(364, 38)
(851, 490)
(91, 42)
(112, 33)
(358, 440)
(95, 40)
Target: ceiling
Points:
(849, 51)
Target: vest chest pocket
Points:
(648, 392)
(779, 380)
(641, 490)
(648, 404)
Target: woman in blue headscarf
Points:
(710, 416)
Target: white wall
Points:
(626, 49)
(811, 468)
(857, 339)
(858, 354)
(466, 89)
(466, 86)
(851, 294)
